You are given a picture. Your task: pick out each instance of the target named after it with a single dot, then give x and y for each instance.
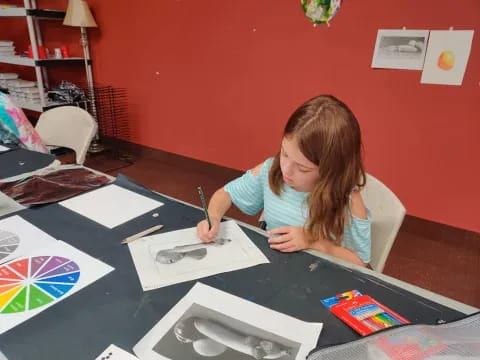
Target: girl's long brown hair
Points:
(328, 135)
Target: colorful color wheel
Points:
(30, 283)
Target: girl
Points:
(310, 190)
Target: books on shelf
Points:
(8, 76)
(7, 48)
(21, 91)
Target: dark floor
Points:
(436, 257)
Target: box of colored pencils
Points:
(364, 314)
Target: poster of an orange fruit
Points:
(447, 57)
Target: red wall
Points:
(216, 80)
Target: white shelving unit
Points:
(21, 60)
(28, 10)
(13, 12)
(33, 15)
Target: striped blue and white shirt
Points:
(252, 193)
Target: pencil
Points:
(204, 205)
(141, 234)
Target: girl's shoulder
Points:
(263, 168)
(268, 163)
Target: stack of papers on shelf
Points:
(7, 48)
(19, 83)
(6, 79)
(23, 90)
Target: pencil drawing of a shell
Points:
(194, 251)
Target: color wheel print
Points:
(30, 283)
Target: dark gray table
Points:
(19, 161)
(116, 310)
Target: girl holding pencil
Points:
(310, 190)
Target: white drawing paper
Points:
(179, 256)
(111, 205)
(400, 49)
(209, 323)
(113, 352)
(33, 283)
(18, 237)
(3, 148)
(447, 57)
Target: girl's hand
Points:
(292, 238)
(208, 235)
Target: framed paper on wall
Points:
(400, 49)
(447, 57)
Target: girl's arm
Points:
(219, 204)
(221, 201)
(295, 238)
(357, 207)
(217, 207)
(329, 248)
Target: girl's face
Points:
(298, 172)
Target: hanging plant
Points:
(320, 11)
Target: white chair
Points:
(387, 217)
(67, 126)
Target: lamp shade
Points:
(78, 14)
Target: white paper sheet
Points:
(18, 237)
(210, 321)
(447, 56)
(400, 49)
(115, 353)
(33, 283)
(236, 254)
(111, 205)
(3, 148)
